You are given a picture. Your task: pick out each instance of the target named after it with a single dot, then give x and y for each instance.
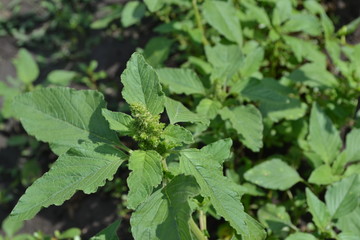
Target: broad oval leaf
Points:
(273, 174)
(318, 210)
(85, 167)
(26, 68)
(313, 75)
(181, 80)
(166, 213)
(222, 16)
(132, 13)
(146, 174)
(343, 197)
(225, 59)
(324, 139)
(118, 121)
(350, 223)
(154, 5)
(257, 13)
(64, 116)
(219, 150)
(61, 77)
(252, 62)
(157, 50)
(274, 98)
(352, 149)
(274, 217)
(175, 135)
(247, 121)
(323, 175)
(208, 108)
(141, 84)
(209, 176)
(177, 112)
(303, 22)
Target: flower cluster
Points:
(146, 128)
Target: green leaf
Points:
(350, 223)
(352, 169)
(282, 12)
(274, 217)
(146, 173)
(323, 137)
(61, 77)
(109, 233)
(313, 75)
(181, 80)
(222, 16)
(154, 5)
(256, 230)
(274, 98)
(208, 107)
(11, 227)
(258, 13)
(302, 22)
(176, 135)
(323, 175)
(306, 49)
(115, 13)
(208, 174)
(226, 60)
(348, 236)
(157, 51)
(27, 69)
(7, 93)
(292, 109)
(318, 210)
(252, 62)
(200, 65)
(327, 25)
(273, 174)
(247, 122)
(334, 49)
(118, 121)
(69, 233)
(141, 85)
(301, 236)
(85, 167)
(132, 13)
(177, 112)
(352, 149)
(343, 197)
(350, 27)
(166, 213)
(66, 113)
(219, 150)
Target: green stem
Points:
(164, 164)
(199, 23)
(202, 221)
(124, 148)
(165, 170)
(199, 235)
(307, 184)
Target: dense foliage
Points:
(257, 125)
